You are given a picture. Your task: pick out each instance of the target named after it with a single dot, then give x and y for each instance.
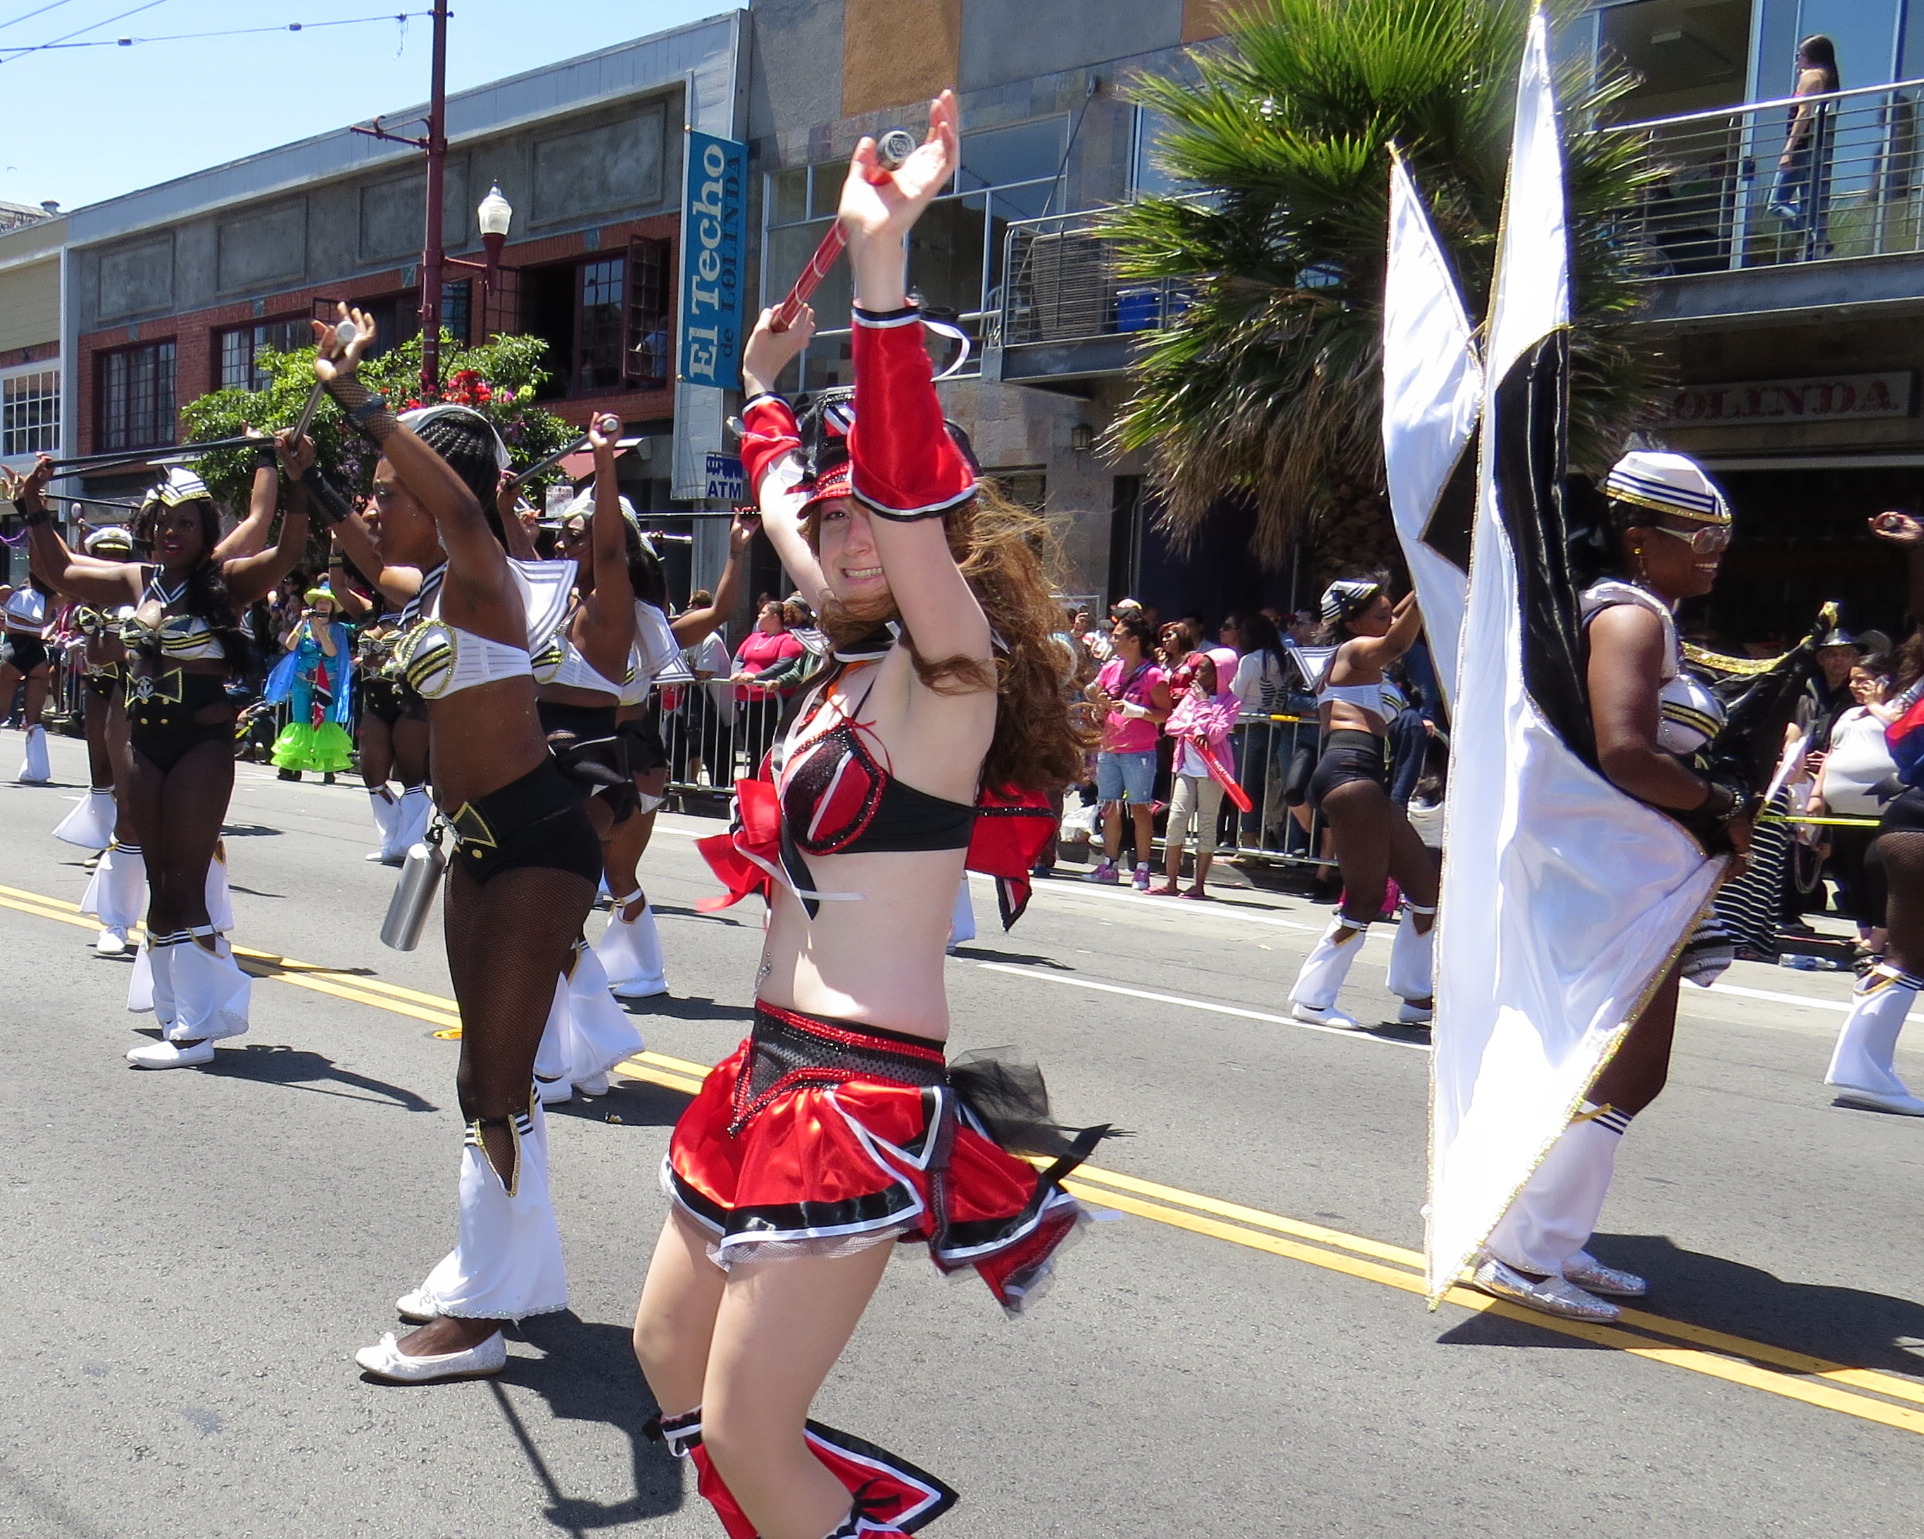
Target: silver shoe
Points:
(385, 1360)
(1593, 1276)
(1552, 1296)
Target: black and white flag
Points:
(1564, 900)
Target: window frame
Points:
(103, 429)
(217, 353)
(48, 430)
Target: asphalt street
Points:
(194, 1256)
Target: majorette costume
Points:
(1863, 1066)
(189, 978)
(819, 1136)
(319, 692)
(1350, 755)
(507, 1261)
(23, 645)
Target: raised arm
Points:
(104, 584)
(771, 450)
(251, 577)
(698, 624)
(608, 621)
(907, 471)
(479, 594)
(397, 584)
(1906, 531)
(1380, 651)
(249, 536)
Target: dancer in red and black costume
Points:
(837, 1127)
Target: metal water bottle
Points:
(407, 911)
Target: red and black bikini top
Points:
(839, 796)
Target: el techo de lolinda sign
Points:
(714, 238)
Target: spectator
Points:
(1857, 780)
(1263, 688)
(1134, 697)
(1200, 725)
(708, 709)
(758, 708)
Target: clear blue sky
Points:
(82, 124)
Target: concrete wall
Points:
(559, 175)
(1010, 40)
(795, 68)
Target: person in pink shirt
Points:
(759, 708)
(1132, 691)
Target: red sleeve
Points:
(904, 460)
(769, 432)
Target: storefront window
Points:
(30, 413)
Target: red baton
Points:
(891, 150)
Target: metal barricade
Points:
(1271, 752)
(712, 738)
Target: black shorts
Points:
(23, 651)
(102, 683)
(1905, 815)
(539, 820)
(1349, 755)
(161, 711)
(381, 697)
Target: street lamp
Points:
(494, 215)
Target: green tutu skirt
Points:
(326, 749)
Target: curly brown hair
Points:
(1007, 554)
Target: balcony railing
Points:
(1853, 186)
(1060, 285)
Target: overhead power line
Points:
(181, 37)
(37, 11)
(92, 26)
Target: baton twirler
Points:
(891, 150)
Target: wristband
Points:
(32, 517)
(264, 456)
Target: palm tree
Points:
(1266, 389)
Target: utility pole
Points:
(434, 257)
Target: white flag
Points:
(1563, 899)
(1432, 396)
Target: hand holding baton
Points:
(891, 149)
(345, 331)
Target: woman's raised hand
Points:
(332, 360)
(604, 433)
(877, 203)
(1899, 528)
(742, 529)
(297, 454)
(768, 351)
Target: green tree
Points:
(1267, 387)
(499, 379)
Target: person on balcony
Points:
(1801, 197)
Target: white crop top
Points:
(657, 656)
(179, 638)
(438, 660)
(1689, 714)
(562, 662)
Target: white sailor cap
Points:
(1348, 594)
(180, 486)
(1668, 483)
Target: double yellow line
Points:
(1888, 1399)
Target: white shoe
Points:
(111, 942)
(386, 1361)
(1904, 1104)
(1410, 1013)
(1327, 1015)
(1553, 1296)
(417, 1308)
(171, 1055)
(598, 1085)
(1593, 1276)
(554, 1092)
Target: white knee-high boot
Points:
(37, 769)
(211, 993)
(1412, 971)
(410, 826)
(151, 986)
(1862, 1066)
(117, 894)
(220, 897)
(1323, 971)
(630, 952)
(91, 824)
(1550, 1222)
(587, 1033)
(382, 804)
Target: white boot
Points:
(117, 893)
(91, 824)
(220, 898)
(551, 1083)
(600, 1033)
(410, 826)
(1551, 1219)
(385, 809)
(37, 770)
(1862, 1066)
(211, 993)
(151, 985)
(630, 952)
(1324, 969)
(1413, 965)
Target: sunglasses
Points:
(1706, 541)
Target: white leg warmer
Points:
(151, 986)
(630, 953)
(962, 921)
(1413, 956)
(1867, 1046)
(117, 895)
(587, 1032)
(1327, 965)
(211, 993)
(37, 769)
(410, 826)
(385, 808)
(507, 1263)
(220, 899)
(91, 824)
(1553, 1216)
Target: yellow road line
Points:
(1718, 1354)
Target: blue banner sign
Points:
(714, 242)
